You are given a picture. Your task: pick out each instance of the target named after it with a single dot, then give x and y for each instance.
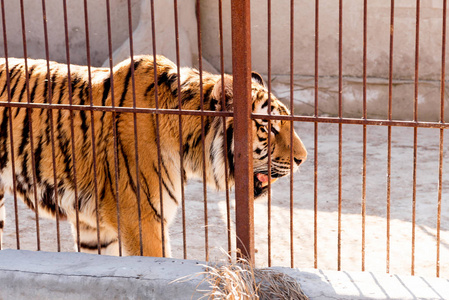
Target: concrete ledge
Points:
(47, 275)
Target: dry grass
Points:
(239, 280)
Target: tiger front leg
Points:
(145, 238)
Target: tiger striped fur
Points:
(35, 155)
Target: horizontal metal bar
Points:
(353, 121)
(117, 109)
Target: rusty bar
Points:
(269, 129)
(136, 139)
(440, 167)
(390, 112)
(52, 133)
(340, 127)
(225, 135)
(296, 118)
(244, 189)
(181, 156)
(92, 125)
(72, 131)
(203, 133)
(114, 127)
(119, 109)
(11, 136)
(415, 135)
(292, 72)
(30, 125)
(365, 10)
(158, 138)
(315, 152)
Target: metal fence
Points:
(244, 206)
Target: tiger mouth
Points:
(261, 183)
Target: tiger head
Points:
(280, 133)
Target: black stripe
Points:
(125, 159)
(25, 167)
(33, 90)
(48, 200)
(146, 190)
(30, 73)
(25, 132)
(212, 162)
(188, 95)
(37, 160)
(230, 150)
(107, 88)
(2, 223)
(265, 104)
(64, 86)
(94, 246)
(127, 80)
(83, 93)
(169, 192)
(149, 88)
(166, 172)
(109, 176)
(125, 87)
(3, 138)
(165, 185)
(13, 90)
(10, 78)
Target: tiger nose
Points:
(298, 161)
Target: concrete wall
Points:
(378, 41)
(378, 37)
(76, 29)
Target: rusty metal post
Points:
(244, 189)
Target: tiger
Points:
(98, 188)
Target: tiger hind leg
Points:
(2, 212)
(89, 242)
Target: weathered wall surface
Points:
(378, 43)
(98, 31)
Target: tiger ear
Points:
(258, 78)
(225, 85)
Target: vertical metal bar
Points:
(415, 135)
(72, 130)
(94, 155)
(365, 8)
(315, 154)
(269, 130)
(11, 135)
(390, 105)
(114, 127)
(203, 133)
(225, 135)
(244, 189)
(292, 108)
(30, 125)
(136, 140)
(340, 112)
(52, 133)
(181, 156)
(440, 169)
(158, 138)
